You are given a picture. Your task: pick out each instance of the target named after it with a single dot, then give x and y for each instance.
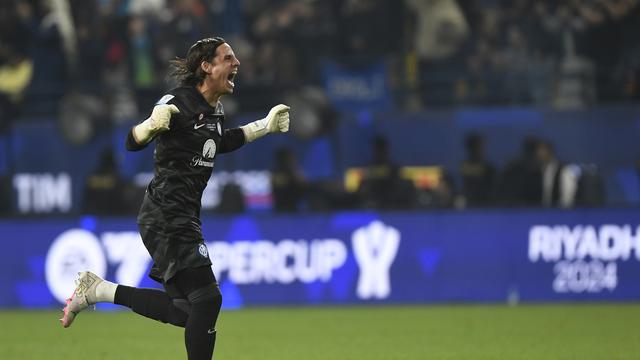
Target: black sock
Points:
(199, 333)
(124, 295)
(151, 303)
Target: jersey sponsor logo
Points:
(197, 161)
(165, 99)
(202, 249)
(209, 149)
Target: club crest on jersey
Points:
(202, 249)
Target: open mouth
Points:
(231, 77)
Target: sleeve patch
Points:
(165, 99)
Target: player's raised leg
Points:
(151, 303)
(90, 290)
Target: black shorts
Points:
(173, 251)
(187, 281)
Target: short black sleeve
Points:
(232, 140)
(131, 144)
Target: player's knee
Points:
(207, 294)
(179, 312)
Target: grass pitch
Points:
(607, 331)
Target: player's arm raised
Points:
(141, 134)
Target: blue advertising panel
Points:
(490, 256)
(357, 88)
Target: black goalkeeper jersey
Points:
(184, 157)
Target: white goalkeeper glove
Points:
(276, 121)
(156, 123)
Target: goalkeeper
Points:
(188, 126)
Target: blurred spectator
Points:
(481, 84)
(576, 86)
(382, 186)
(368, 29)
(146, 7)
(288, 182)
(478, 175)
(16, 71)
(440, 31)
(483, 64)
(521, 180)
(516, 58)
(91, 57)
(441, 28)
(541, 76)
(105, 192)
(142, 63)
(559, 181)
(16, 66)
(60, 18)
(590, 192)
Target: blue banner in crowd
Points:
(492, 256)
(357, 88)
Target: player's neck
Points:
(209, 95)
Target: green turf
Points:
(408, 332)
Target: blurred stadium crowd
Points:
(439, 52)
(109, 58)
